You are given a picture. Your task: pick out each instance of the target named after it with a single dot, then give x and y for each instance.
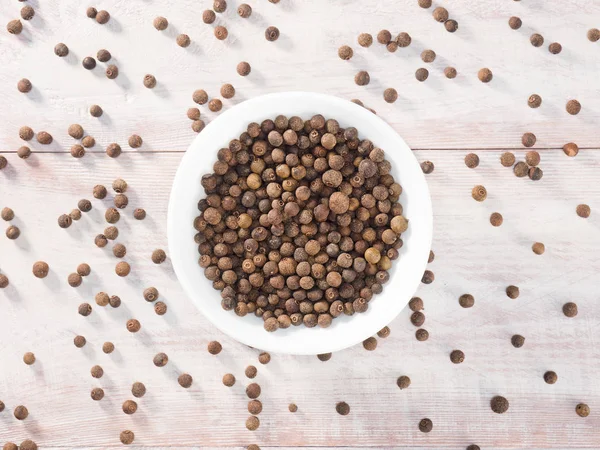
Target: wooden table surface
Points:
(441, 119)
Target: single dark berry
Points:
(425, 425)
(342, 408)
(403, 382)
(160, 23)
(496, 219)
(515, 22)
(517, 341)
(457, 356)
(272, 34)
(61, 50)
(88, 63)
(485, 75)
(185, 380)
(570, 309)
(512, 291)
(214, 347)
(550, 377)
(573, 107)
(466, 300)
(471, 160)
(138, 389)
(160, 360)
(159, 256)
(537, 40)
(583, 211)
(421, 74)
(499, 404)
(95, 111)
(582, 410)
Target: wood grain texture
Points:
(439, 113)
(471, 256)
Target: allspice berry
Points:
(44, 138)
(403, 382)
(113, 150)
(421, 335)
(139, 214)
(457, 356)
(416, 304)
(515, 22)
(251, 371)
(528, 139)
(292, 407)
(272, 34)
(253, 390)
(403, 39)
(370, 344)
(342, 408)
(428, 56)
(534, 101)
(61, 50)
(75, 131)
(129, 407)
(324, 357)
(24, 152)
(114, 301)
(583, 211)
(496, 219)
(108, 347)
(421, 74)
(570, 309)
(160, 308)
(97, 394)
(159, 256)
(185, 380)
(517, 341)
(425, 425)
(97, 371)
(85, 309)
(214, 347)
(149, 81)
(160, 360)
(40, 269)
(14, 26)
(365, 40)
(471, 160)
(26, 133)
(29, 358)
(79, 341)
(13, 232)
(521, 169)
(138, 389)
(571, 149)
(425, 4)
(499, 404)
(550, 377)
(485, 75)
(264, 358)
(535, 173)
(227, 91)
(208, 16)
(573, 107)
(135, 141)
(99, 191)
(555, 48)
(102, 17)
(345, 52)
(451, 26)
(103, 55)
(440, 14)
(95, 111)
(384, 37)
(74, 280)
(112, 72)
(183, 40)
(127, 437)
(512, 292)
(582, 410)
(122, 269)
(390, 95)
(255, 407)
(537, 40)
(88, 63)
(215, 105)
(28, 444)
(91, 12)
(428, 277)
(21, 412)
(479, 193)
(112, 215)
(362, 78)
(417, 318)
(198, 125)
(221, 33)
(228, 379)
(252, 423)
(384, 332)
(466, 300)
(151, 294)
(244, 10)
(427, 167)
(532, 158)
(3, 282)
(593, 34)
(243, 68)
(507, 159)
(160, 23)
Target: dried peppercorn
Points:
(515, 22)
(88, 63)
(517, 341)
(571, 149)
(528, 139)
(121, 201)
(79, 341)
(151, 294)
(138, 390)
(44, 138)
(14, 26)
(26, 133)
(421, 74)
(244, 10)
(536, 39)
(534, 101)
(61, 50)
(428, 56)
(479, 193)
(102, 17)
(122, 269)
(324, 357)
(342, 408)
(214, 347)
(473, 447)
(193, 113)
(583, 211)
(403, 39)
(198, 125)
(521, 169)
(103, 55)
(243, 68)
(228, 379)
(215, 105)
(160, 23)
(159, 256)
(149, 81)
(112, 215)
(183, 40)
(365, 40)
(13, 232)
(264, 358)
(254, 407)
(345, 52)
(160, 359)
(21, 412)
(7, 214)
(29, 358)
(362, 78)
(251, 371)
(77, 151)
(112, 71)
(512, 292)
(466, 300)
(114, 301)
(219, 6)
(555, 48)
(593, 34)
(119, 250)
(208, 16)
(550, 377)
(507, 159)
(384, 332)
(427, 167)
(384, 37)
(451, 26)
(440, 14)
(111, 232)
(403, 382)
(227, 91)
(24, 152)
(74, 280)
(139, 214)
(84, 205)
(417, 318)
(28, 444)
(292, 407)
(253, 390)
(422, 334)
(91, 12)
(582, 410)
(102, 299)
(97, 394)
(415, 304)
(390, 95)
(113, 150)
(272, 34)
(535, 173)
(108, 347)
(24, 86)
(221, 33)
(126, 437)
(457, 356)
(425, 4)
(425, 425)
(570, 309)
(499, 404)
(471, 160)
(252, 423)
(160, 308)
(573, 107)
(97, 371)
(185, 380)
(370, 344)
(496, 219)
(485, 75)
(40, 269)
(100, 241)
(3, 281)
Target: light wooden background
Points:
(441, 119)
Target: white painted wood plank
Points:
(471, 256)
(440, 113)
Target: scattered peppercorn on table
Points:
(101, 348)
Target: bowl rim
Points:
(364, 120)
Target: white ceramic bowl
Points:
(345, 331)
